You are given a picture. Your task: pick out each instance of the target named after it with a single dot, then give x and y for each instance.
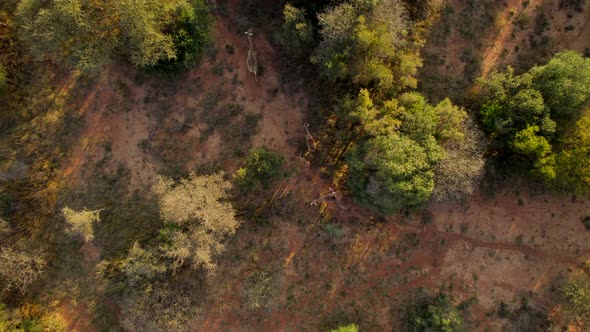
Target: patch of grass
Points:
(261, 289)
(334, 231)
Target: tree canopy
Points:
(199, 216)
(361, 42)
(84, 35)
(529, 115)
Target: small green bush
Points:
(262, 166)
(436, 314)
(189, 31)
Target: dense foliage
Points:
(393, 166)
(199, 216)
(85, 35)
(261, 166)
(576, 294)
(529, 115)
(438, 314)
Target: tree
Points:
(261, 166)
(576, 295)
(520, 111)
(140, 266)
(389, 173)
(81, 223)
(392, 167)
(572, 163)
(564, 83)
(142, 30)
(84, 35)
(296, 33)
(438, 314)
(451, 122)
(458, 173)
(199, 216)
(19, 269)
(360, 41)
(160, 307)
(80, 33)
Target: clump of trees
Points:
(85, 35)
(360, 41)
(199, 218)
(401, 149)
(394, 166)
(530, 116)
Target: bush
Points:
(347, 328)
(262, 166)
(189, 31)
(200, 216)
(436, 314)
(18, 269)
(576, 295)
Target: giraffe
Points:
(251, 61)
(311, 144)
(332, 196)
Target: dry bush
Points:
(81, 223)
(460, 171)
(158, 308)
(200, 216)
(19, 269)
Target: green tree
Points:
(189, 28)
(392, 167)
(84, 35)
(572, 163)
(261, 166)
(451, 119)
(199, 216)
(439, 314)
(360, 42)
(519, 113)
(81, 34)
(564, 83)
(389, 173)
(296, 33)
(142, 30)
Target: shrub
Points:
(201, 217)
(436, 314)
(81, 223)
(18, 269)
(576, 295)
(261, 166)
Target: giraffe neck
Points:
(251, 47)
